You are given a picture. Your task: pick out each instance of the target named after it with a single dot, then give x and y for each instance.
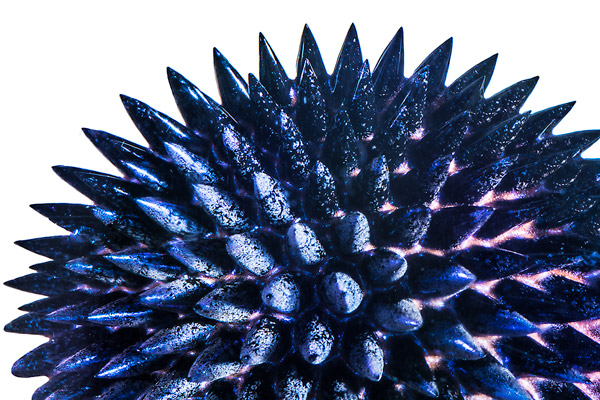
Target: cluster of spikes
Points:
(354, 235)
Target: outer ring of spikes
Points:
(352, 235)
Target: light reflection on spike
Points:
(402, 168)
(538, 338)
(510, 195)
(489, 344)
(418, 134)
(453, 168)
(487, 199)
(433, 361)
(590, 328)
(531, 281)
(362, 394)
(415, 250)
(435, 204)
(529, 385)
(486, 288)
(523, 231)
(339, 214)
(436, 303)
(418, 303)
(478, 397)
(387, 207)
(593, 390)
(369, 247)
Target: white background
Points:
(63, 64)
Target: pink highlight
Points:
(402, 168)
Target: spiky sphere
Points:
(359, 235)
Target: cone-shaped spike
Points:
(430, 276)
(403, 227)
(384, 267)
(482, 315)
(362, 105)
(490, 378)
(272, 199)
(173, 385)
(347, 68)
(241, 152)
(505, 103)
(232, 87)
(58, 247)
(397, 316)
(389, 70)
(176, 338)
(293, 382)
(250, 253)
(273, 76)
(207, 257)
(364, 354)
(450, 226)
(407, 365)
(437, 62)
(220, 358)
(309, 52)
(371, 188)
(125, 313)
(221, 207)
(311, 114)
(483, 70)
(171, 217)
(200, 112)
(41, 284)
(134, 161)
(443, 332)
(155, 266)
(489, 263)
(524, 355)
(322, 199)
(233, 303)
(156, 127)
(35, 324)
(342, 158)
(178, 295)
(575, 347)
(195, 168)
(130, 363)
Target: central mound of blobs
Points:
(346, 236)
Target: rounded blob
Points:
(282, 293)
(365, 355)
(341, 293)
(314, 339)
(353, 233)
(261, 343)
(304, 245)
